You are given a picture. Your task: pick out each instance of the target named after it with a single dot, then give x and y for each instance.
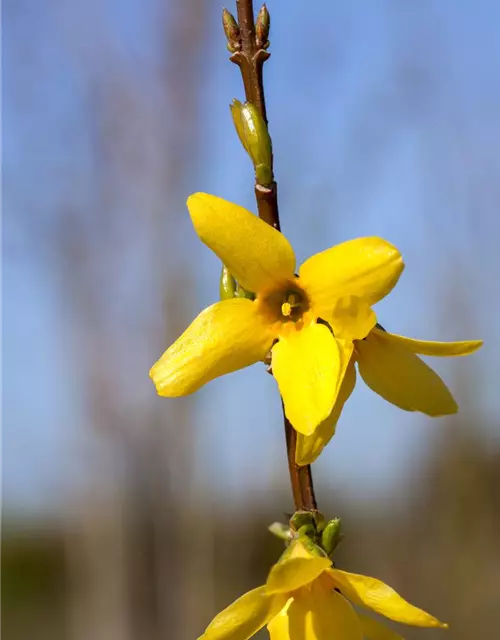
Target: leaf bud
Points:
(262, 25)
(232, 31)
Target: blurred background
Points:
(127, 516)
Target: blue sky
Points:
(385, 121)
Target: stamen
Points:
(293, 302)
(286, 309)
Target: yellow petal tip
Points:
(449, 410)
(154, 374)
(305, 428)
(198, 194)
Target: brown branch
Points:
(250, 54)
(250, 58)
(300, 477)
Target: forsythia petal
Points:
(375, 630)
(365, 267)
(226, 336)
(298, 548)
(307, 367)
(328, 615)
(295, 572)
(244, 617)
(278, 627)
(309, 447)
(401, 377)
(293, 623)
(257, 255)
(431, 348)
(378, 596)
(352, 318)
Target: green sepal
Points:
(308, 530)
(301, 518)
(320, 521)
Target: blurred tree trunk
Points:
(136, 569)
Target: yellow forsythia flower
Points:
(306, 598)
(307, 361)
(312, 363)
(389, 365)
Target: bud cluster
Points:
(232, 30)
(319, 535)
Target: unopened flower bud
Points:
(254, 136)
(232, 31)
(262, 26)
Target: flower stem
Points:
(250, 57)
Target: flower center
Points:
(286, 304)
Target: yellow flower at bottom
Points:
(305, 598)
(308, 321)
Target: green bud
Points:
(227, 284)
(232, 31)
(331, 536)
(254, 136)
(280, 530)
(262, 26)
